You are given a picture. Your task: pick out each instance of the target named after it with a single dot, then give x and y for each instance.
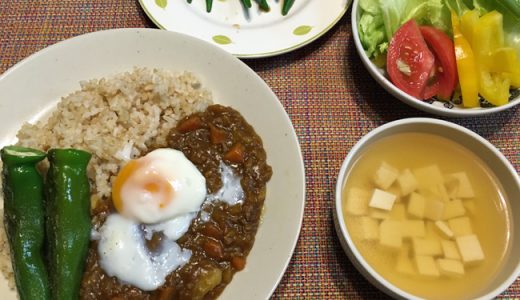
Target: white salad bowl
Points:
(501, 167)
(447, 109)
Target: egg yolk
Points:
(148, 182)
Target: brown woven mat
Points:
(326, 91)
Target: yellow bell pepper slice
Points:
(468, 25)
(489, 37)
(501, 60)
(515, 79)
(494, 87)
(466, 66)
(506, 61)
(489, 33)
(515, 76)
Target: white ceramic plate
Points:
(33, 87)
(448, 109)
(248, 33)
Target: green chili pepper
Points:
(209, 4)
(263, 5)
(68, 220)
(247, 3)
(25, 220)
(287, 4)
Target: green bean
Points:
(263, 5)
(247, 3)
(287, 4)
(24, 219)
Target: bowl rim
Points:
(352, 252)
(412, 101)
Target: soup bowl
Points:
(503, 172)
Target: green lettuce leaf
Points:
(380, 19)
(371, 29)
(370, 6)
(392, 12)
(459, 6)
(371, 34)
(433, 13)
(424, 12)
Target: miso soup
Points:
(428, 215)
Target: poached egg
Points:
(161, 192)
(158, 186)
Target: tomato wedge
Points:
(444, 52)
(409, 61)
(432, 85)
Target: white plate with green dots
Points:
(248, 32)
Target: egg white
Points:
(124, 254)
(231, 191)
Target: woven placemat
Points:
(329, 96)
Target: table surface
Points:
(329, 96)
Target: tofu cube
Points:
(378, 214)
(407, 182)
(416, 205)
(428, 176)
(464, 188)
(441, 191)
(426, 266)
(405, 264)
(450, 250)
(444, 229)
(454, 208)
(450, 267)
(382, 200)
(432, 232)
(460, 226)
(436, 192)
(426, 246)
(413, 228)
(398, 212)
(357, 201)
(369, 229)
(452, 186)
(385, 175)
(395, 190)
(390, 234)
(470, 207)
(434, 209)
(470, 249)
